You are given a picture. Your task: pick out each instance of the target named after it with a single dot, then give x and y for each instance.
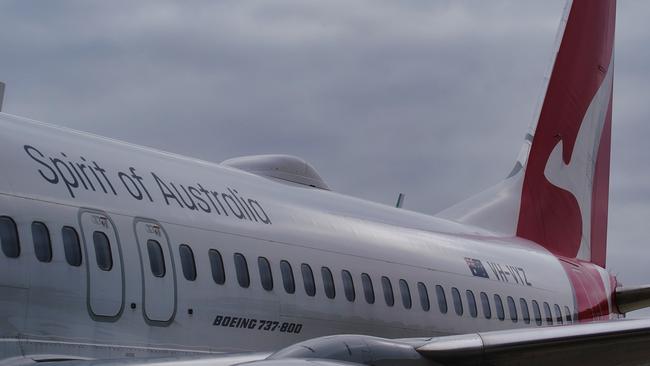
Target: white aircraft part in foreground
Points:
(116, 254)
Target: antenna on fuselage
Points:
(400, 200)
(2, 94)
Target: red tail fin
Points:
(565, 191)
(557, 193)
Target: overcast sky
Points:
(429, 98)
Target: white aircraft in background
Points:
(117, 254)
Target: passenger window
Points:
(471, 303)
(558, 314)
(103, 254)
(524, 310)
(328, 282)
(388, 291)
(42, 243)
(424, 296)
(9, 237)
(308, 279)
(241, 269)
(501, 315)
(568, 314)
(537, 313)
(547, 313)
(266, 277)
(348, 285)
(512, 308)
(368, 290)
(216, 265)
(485, 302)
(406, 294)
(187, 262)
(287, 277)
(442, 299)
(71, 246)
(156, 258)
(458, 303)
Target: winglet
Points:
(400, 200)
(2, 94)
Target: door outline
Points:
(96, 317)
(149, 321)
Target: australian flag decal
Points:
(476, 267)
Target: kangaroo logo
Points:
(577, 176)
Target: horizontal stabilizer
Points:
(632, 298)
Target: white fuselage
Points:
(132, 194)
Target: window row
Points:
(520, 310)
(516, 312)
(42, 241)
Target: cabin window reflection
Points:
(512, 309)
(525, 314)
(471, 304)
(266, 277)
(458, 302)
(424, 296)
(103, 254)
(71, 246)
(9, 237)
(241, 270)
(498, 304)
(485, 304)
(406, 294)
(537, 313)
(328, 282)
(42, 242)
(216, 265)
(187, 262)
(287, 277)
(368, 290)
(156, 258)
(547, 313)
(308, 279)
(442, 299)
(388, 291)
(348, 285)
(558, 314)
(568, 314)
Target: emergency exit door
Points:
(158, 273)
(103, 257)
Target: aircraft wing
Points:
(622, 342)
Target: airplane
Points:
(117, 254)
